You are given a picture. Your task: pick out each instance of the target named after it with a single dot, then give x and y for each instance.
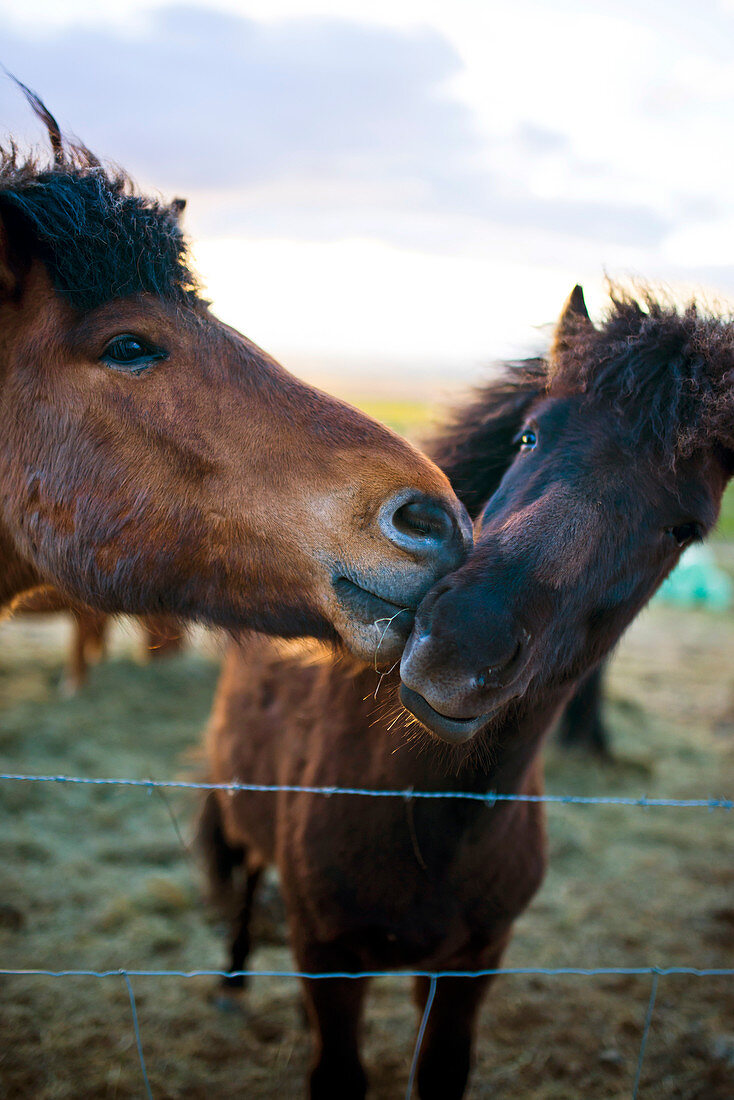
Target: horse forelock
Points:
(99, 238)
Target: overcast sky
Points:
(405, 182)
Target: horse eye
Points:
(685, 533)
(130, 353)
(528, 440)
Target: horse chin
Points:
(373, 628)
(455, 731)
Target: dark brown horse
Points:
(587, 475)
(623, 447)
(154, 460)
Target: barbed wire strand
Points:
(645, 1033)
(543, 971)
(419, 1037)
(489, 797)
(136, 1029)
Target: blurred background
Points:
(387, 195)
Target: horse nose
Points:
(427, 528)
(466, 651)
(461, 689)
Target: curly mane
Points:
(98, 237)
(668, 372)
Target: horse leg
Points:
(88, 646)
(446, 1052)
(233, 879)
(335, 1011)
(241, 942)
(582, 726)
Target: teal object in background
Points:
(697, 581)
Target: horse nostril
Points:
(488, 678)
(499, 673)
(422, 519)
(425, 528)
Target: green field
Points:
(414, 419)
(725, 528)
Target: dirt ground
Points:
(97, 878)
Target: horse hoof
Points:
(69, 687)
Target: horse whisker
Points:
(387, 627)
(383, 675)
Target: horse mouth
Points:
(371, 608)
(453, 730)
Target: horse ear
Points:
(177, 208)
(574, 320)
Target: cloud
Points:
(209, 99)
(311, 127)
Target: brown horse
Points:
(153, 460)
(163, 636)
(574, 538)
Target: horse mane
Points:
(666, 371)
(476, 445)
(99, 238)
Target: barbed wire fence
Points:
(489, 798)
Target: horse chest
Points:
(406, 883)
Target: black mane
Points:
(476, 446)
(98, 238)
(667, 372)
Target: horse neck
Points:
(516, 742)
(503, 760)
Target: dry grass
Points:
(96, 878)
